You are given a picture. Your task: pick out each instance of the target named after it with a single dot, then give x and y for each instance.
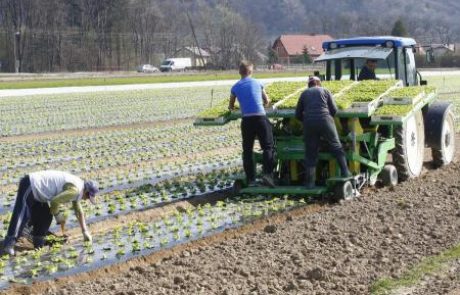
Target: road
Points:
(86, 89)
(83, 89)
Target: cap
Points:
(92, 188)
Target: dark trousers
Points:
(260, 127)
(314, 130)
(28, 211)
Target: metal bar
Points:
(292, 190)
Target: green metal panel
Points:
(384, 147)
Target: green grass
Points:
(164, 78)
(448, 89)
(428, 266)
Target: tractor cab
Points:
(346, 58)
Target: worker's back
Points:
(317, 103)
(248, 91)
(49, 183)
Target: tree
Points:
(306, 56)
(272, 55)
(399, 29)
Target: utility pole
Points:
(17, 51)
(193, 33)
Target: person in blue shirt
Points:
(252, 99)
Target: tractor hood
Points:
(356, 52)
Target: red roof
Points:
(294, 44)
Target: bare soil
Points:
(335, 249)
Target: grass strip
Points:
(428, 266)
(165, 78)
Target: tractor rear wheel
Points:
(440, 132)
(410, 144)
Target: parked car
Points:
(176, 64)
(147, 69)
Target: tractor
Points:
(379, 148)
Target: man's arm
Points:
(299, 109)
(81, 219)
(69, 193)
(231, 105)
(265, 98)
(331, 104)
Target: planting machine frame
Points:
(378, 148)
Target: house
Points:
(199, 56)
(436, 50)
(291, 48)
(457, 48)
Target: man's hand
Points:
(265, 98)
(231, 104)
(87, 236)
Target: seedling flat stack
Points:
(389, 116)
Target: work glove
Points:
(87, 236)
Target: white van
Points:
(176, 64)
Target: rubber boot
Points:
(267, 180)
(310, 176)
(8, 246)
(39, 241)
(343, 166)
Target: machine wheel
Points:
(343, 191)
(389, 175)
(409, 150)
(441, 132)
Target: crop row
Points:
(138, 238)
(147, 171)
(146, 196)
(122, 157)
(91, 154)
(34, 114)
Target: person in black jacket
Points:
(368, 70)
(316, 109)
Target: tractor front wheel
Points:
(410, 144)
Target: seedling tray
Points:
(366, 109)
(400, 119)
(211, 121)
(403, 100)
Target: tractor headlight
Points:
(389, 44)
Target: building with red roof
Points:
(291, 48)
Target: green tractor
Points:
(384, 124)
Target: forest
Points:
(89, 35)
